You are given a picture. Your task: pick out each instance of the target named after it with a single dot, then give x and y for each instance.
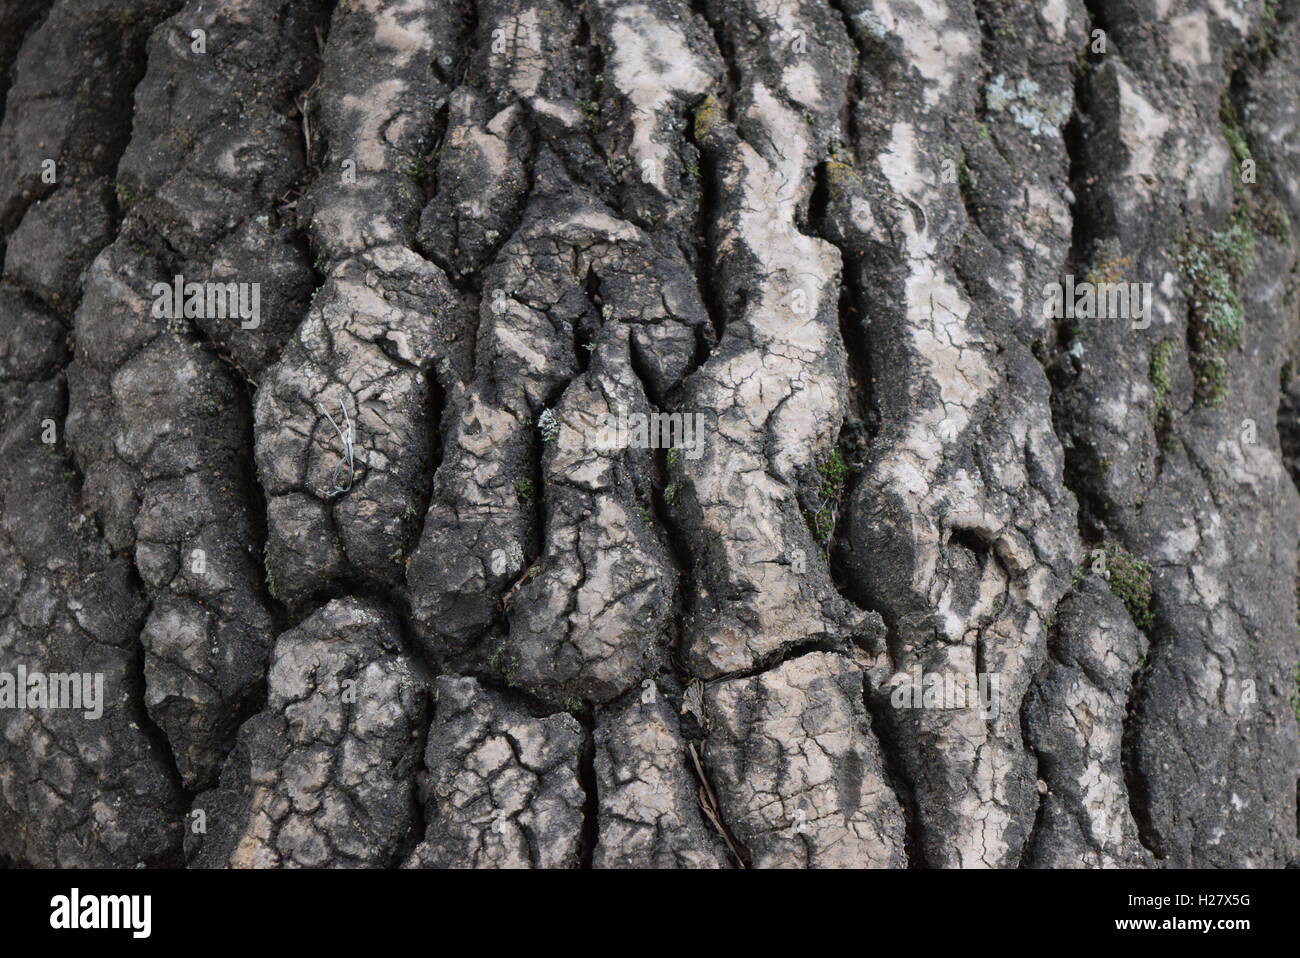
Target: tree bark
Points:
(730, 433)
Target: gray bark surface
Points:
(365, 586)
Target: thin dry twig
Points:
(347, 438)
(709, 805)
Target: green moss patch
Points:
(1161, 407)
(1130, 579)
(1213, 268)
(833, 472)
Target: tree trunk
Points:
(595, 433)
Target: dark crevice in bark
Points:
(585, 333)
(310, 136)
(1040, 771)
(862, 422)
(679, 553)
(706, 239)
(864, 413)
(882, 713)
(1043, 768)
(6, 68)
(782, 655)
(1098, 19)
(726, 50)
(590, 836)
(1060, 371)
(72, 471)
(456, 73)
(986, 12)
(1134, 779)
(313, 146)
(1288, 416)
(862, 402)
(436, 403)
(513, 695)
(849, 131)
(663, 493)
(140, 713)
(423, 168)
(1078, 474)
(422, 813)
(835, 548)
(592, 56)
(694, 734)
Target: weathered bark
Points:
(397, 576)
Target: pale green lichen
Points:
(1038, 112)
(548, 426)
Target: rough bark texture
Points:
(936, 575)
